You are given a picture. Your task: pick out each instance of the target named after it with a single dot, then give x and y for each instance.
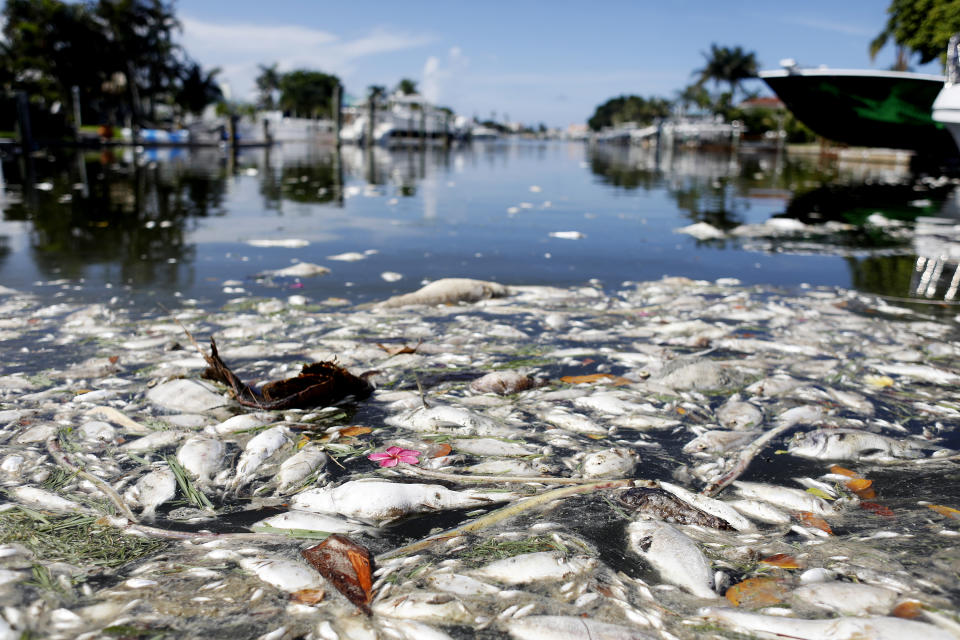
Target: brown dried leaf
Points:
(346, 565)
(308, 596)
(393, 350)
(439, 450)
(757, 592)
(950, 512)
(908, 609)
(840, 471)
(355, 430)
(878, 509)
(782, 560)
(596, 377)
(812, 520)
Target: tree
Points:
(730, 65)
(268, 82)
(918, 27)
(307, 93)
(694, 96)
(197, 90)
(623, 109)
(407, 87)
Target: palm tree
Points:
(730, 65)
(407, 87)
(267, 83)
(197, 89)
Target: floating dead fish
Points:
(875, 628)
(574, 422)
(155, 440)
(448, 291)
(785, 497)
(425, 606)
(201, 456)
(676, 557)
(284, 574)
(712, 506)
(300, 466)
(760, 510)
(616, 462)
(739, 415)
(380, 501)
(717, 441)
(571, 628)
(451, 420)
(154, 489)
(309, 521)
(503, 383)
(847, 598)
(664, 505)
(850, 444)
(536, 567)
(259, 448)
(43, 499)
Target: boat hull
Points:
(868, 109)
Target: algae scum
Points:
(678, 459)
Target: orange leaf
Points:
(811, 520)
(681, 410)
(950, 512)
(840, 471)
(394, 350)
(782, 560)
(756, 593)
(858, 484)
(878, 509)
(440, 450)
(354, 431)
(907, 609)
(866, 494)
(308, 596)
(347, 566)
(593, 377)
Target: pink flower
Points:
(393, 455)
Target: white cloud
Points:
(239, 48)
(441, 82)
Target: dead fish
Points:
(875, 628)
(448, 291)
(571, 628)
(760, 510)
(450, 420)
(380, 501)
(300, 466)
(616, 462)
(711, 506)
(261, 446)
(425, 606)
(668, 507)
(676, 557)
(849, 444)
(155, 440)
(503, 383)
(535, 567)
(847, 598)
(155, 488)
(309, 521)
(574, 422)
(44, 499)
(717, 441)
(287, 575)
(201, 456)
(786, 497)
(739, 416)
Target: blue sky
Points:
(550, 62)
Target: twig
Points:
(508, 512)
(746, 457)
(157, 532)
(57, 453)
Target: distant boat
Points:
(946, 108)
(404, 120)
(865, 108)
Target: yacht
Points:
(946, 108)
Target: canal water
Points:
(172, 226)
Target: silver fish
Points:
(676, 557)
(849, 444)
(261, 446)
(875, 628)
(201, 456)
(155, 488)
(718, 441)
(785, 497)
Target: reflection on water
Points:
(174, 223)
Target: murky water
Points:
(165, 226)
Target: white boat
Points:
(405, 119)
(946, 108)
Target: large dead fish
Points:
(668, 507)
(850, 444)
(874, 628)
(676, 557)
(379, 501)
